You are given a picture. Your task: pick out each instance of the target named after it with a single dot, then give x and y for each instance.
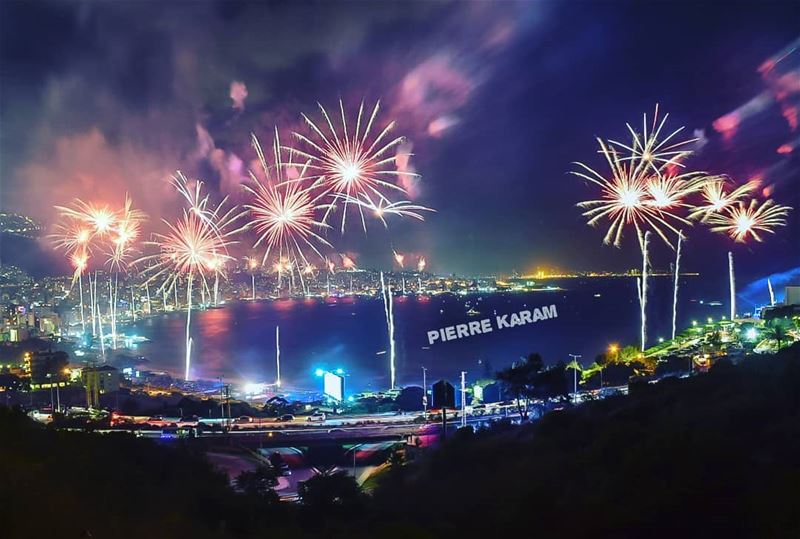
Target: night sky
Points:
(496, 99)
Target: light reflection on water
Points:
(237, 341)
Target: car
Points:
(334, 431)
(244, 420)
(286, 417)
(319, 416)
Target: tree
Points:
(330, 491)
(410, 399)
(519, 381)
(778, 329)
(627, 354)
(259, 482)
(553, 382)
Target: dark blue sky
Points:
(497, 99)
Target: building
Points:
(98, 381)
(49, 323)
(48, 369)
(792, 295)
(789, 307)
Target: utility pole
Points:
(424, 391)
(575, 375)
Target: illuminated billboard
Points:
(333, 386)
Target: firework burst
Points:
(192, 247)
(100, 218)
(742, 221)
(717, 198)
(347, 163)
(627, 198)
(283, 213)
(652, 153)
(73, 236)
(643, 191)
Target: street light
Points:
(614, 349)
(575, 371)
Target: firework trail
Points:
(675, 286)
(252, 265)
(388, 308)
(643, 292)
(79, 261)
(350, 163)
(771, 293)
(149, 303)
(743, 221)
(217, 266)
(420, 268)
(732, 282)
(89, 225)
(278, 355)
(122, 235)
(75, 239)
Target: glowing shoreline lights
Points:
(649, 189)
(289, 204)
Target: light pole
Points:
(575, 374)
(424, 390)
